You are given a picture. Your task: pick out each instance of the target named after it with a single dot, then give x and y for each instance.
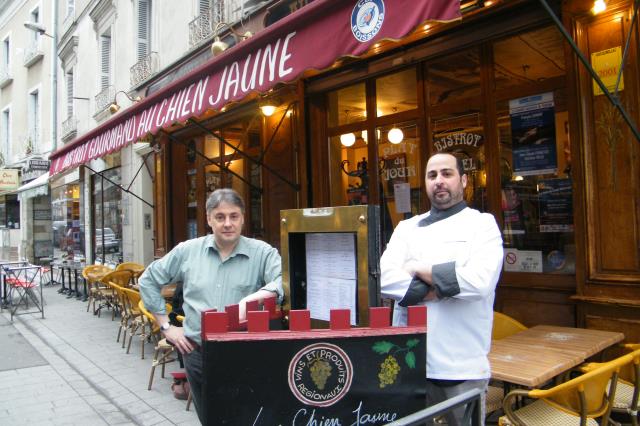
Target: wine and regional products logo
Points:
(366, 19)
(320, 374)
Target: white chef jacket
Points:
(468, 244)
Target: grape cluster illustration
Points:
(389, 368)
(320, 372)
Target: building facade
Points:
(359, 101)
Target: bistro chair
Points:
(628, 384)
(135, 268)
(163, 350)
(579, 401)
(503, 326)
(121, 303)
(138, 323)
(120, 278)
(97, 291)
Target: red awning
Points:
(311, 38)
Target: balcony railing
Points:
(33, 52)
(144, 68)
(227, 11)
(105, 98)
(5, 77)
(69, 128)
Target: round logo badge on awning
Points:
(366, 19)
(320, 374)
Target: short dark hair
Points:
(458, 158)
(226, 195)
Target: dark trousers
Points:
(440, 390)
(193, 367)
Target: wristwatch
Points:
(165, 326)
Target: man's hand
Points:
(419, 270)
(176, 336)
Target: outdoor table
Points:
(71, 268)
(25, 278)
(534, 356)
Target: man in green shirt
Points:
(216, 270)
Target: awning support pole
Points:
(144, 162)
(275, 132)
(248, 157)
(613, 98)
(118, 185)
(219, 165)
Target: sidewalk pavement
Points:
(68, 369)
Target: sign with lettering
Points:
(9, 179)
(355, 380)
(522, 260)
(606, 64)
(452, 140)
(311, 38)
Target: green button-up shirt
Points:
(208, 281)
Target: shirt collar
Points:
(436, 215)
(241, 248)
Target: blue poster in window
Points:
(533, 133)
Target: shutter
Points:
(69, 94)
(105, 62)
(144, 20)
(71, 6)
(203, 6)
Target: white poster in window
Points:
(331, 274)
(522, 260)
(402, 196)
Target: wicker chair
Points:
(98, 292)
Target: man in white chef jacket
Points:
(448, 259)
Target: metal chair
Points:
(25, 282)
(579, 401)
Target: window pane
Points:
(528, 58)
(346, 105)
(108, 217)
(400, 173)
(396, 92)
(68, 228)
(348, 169)
(455, 78)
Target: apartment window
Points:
(69, 81)
(6, 55)
(31, 143)
(105, 61)
(35, 18)
(144, 28)
(5, 134)
(204, 6)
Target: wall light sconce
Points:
(218, 46)
(395, 135)
(598, 7)
(114, 107)
(268, 110)
(268, 106)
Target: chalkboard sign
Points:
(372, 377)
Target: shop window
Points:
(535, 154)
(457, 125)
(396, 92)
(347, 105)
(107, 216)
(67, 221)
(9, 211)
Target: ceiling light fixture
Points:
(598, 7)
(348, 139)
(395, 135)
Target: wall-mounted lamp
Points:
(395, 135)
(598, 6)
(268, 105)
(114, 107)
(218, 46)
(268, 110)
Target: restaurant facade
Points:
(363, 92)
